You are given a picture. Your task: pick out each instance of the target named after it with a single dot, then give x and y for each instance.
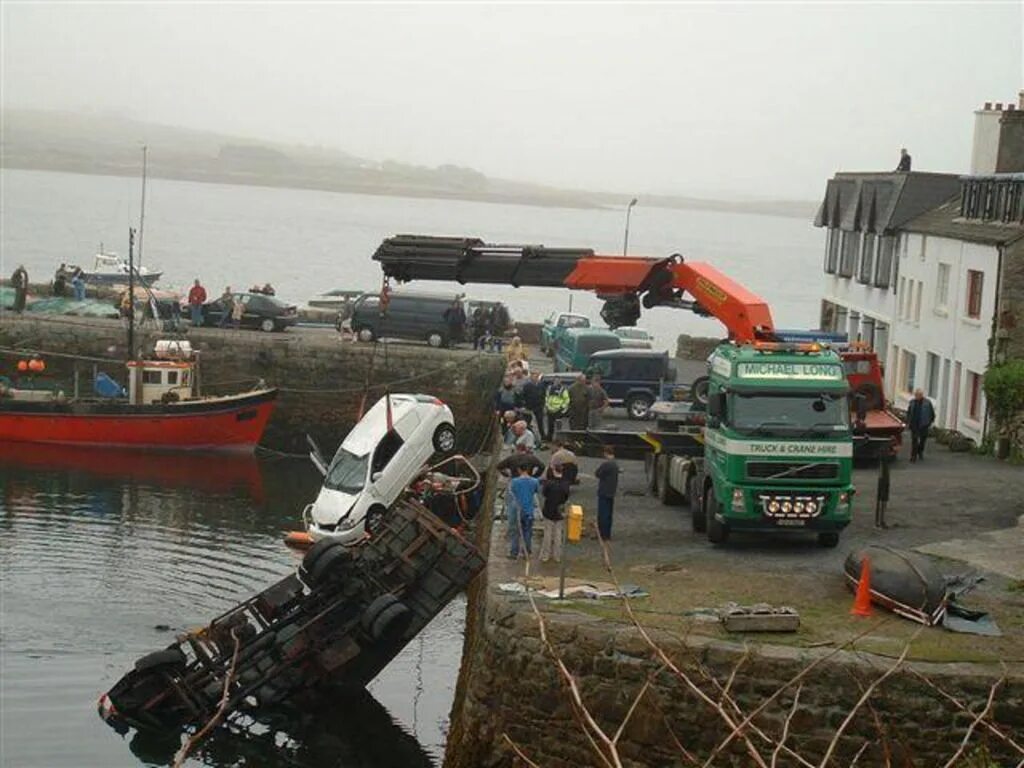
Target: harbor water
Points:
(105, 555)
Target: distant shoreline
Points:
(556, 199)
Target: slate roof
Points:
(946, 221)
(882, 202)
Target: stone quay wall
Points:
(322, 380)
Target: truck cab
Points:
(777, 440)
(556, 324)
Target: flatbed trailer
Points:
(339, 619)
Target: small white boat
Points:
(336, 299)
(109, 269)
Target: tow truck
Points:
(776, 449)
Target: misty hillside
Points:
(110, 144)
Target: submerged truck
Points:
(776, 449)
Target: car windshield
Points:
(575, 322)
(347, 472)
(587, 345)
(788, 414)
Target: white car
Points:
(373, 465)
(634, 338)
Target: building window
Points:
(832, 251)
(908, 366)
(942, 287)
(975, 282)
(917, 301)
(150, 377)
(901, 297)
(848, 257)
(883, 268)
(924, 247)
(828, 316)
(974, 394)
(867, 258)
(932, 385)
(172, 377)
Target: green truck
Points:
(777, 448)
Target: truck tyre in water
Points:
(314, 553)
(829, 539)
(696, 510)
(666, 493)
(330, 562)
(169, 657)
(637, 406)
(444, 438)
(717, 532)
(385, 617)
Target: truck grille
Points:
(794, 470)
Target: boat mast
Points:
(142, 212)
(131, 293)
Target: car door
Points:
(398, 457)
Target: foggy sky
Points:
(750, 99)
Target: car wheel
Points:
(444, 438)
(169, 657)
(699, 390)
(717, 532)
(375, 519)
(267, 325)
(696, 510)
(828, 539)
(435, 339)
(638, 406)
(365, 334)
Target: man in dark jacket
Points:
(607, 486)
(554, 489)
(920, 416)
(533, 401)
(19, 281)
(579, 403)
(455, 319)
(904, 164)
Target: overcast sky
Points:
(762, 99)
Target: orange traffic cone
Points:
(862, 601)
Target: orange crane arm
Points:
(623, 282)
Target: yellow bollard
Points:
(574, 528)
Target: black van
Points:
(418, 316)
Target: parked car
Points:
(418, 316)
(555, 325)
(633, 378)
(374, 464)
(634, 338)
(266, 313)
(576, 345)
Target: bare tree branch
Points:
(785, 725)
(199, 735)
(974, 724)
(636, 702)
(518, 751)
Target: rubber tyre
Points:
(364, 334)
(667, 495)
(374, 519)
(699, 390)
(435, 340)
(313, 553)
(169, 657)
(391, 623)
(828, 539)
(718, 533)
(444, 438)
(267, 325)
(651, 472)
(700, 521)
(329, 564)
(638, 406)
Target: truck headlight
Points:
(811, 507)
(773, 506)
(737, 500)
(798, 507)
(786, 507)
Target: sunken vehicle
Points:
(338, 620)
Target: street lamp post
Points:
(625, 241)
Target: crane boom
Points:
(623, 282)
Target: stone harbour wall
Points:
(322, 380)
(509, 686)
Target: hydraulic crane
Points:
(624, 283)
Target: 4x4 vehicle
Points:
(375, 463)
(408, 315)
(633, 378)
(556, 324)
(577, 345)
(261, 311)
(634, 338)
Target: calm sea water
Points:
(105, 555)
(306, 242)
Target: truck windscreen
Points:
(787, 414)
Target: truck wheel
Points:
(717, 532)
(330, 564)
(386, 618)
(637, 406)
(169, 657)
(828, 539)
(667, 495)
(651, 472)
(699, 390)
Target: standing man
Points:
(19, 281)
(227, 304)
(920, 417)
(904, 164)
(478, 326)
(455, 319)
(196, 299)
(598, 401)
(524, 490)
(579, 403)
(237, 312)
(555, 490)
(533, 400)
(607, 486)
(556, 406)
(78, 285)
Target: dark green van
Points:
(577, 345)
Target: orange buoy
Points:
(23, 365)
(862, 601)
(298, 540)
(36, 365)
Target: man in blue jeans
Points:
(607, 486)
(523, 489)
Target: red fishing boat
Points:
(161, 409)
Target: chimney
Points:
(999, 106)
(988, 106)
(985, 147)
(1020, 99)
